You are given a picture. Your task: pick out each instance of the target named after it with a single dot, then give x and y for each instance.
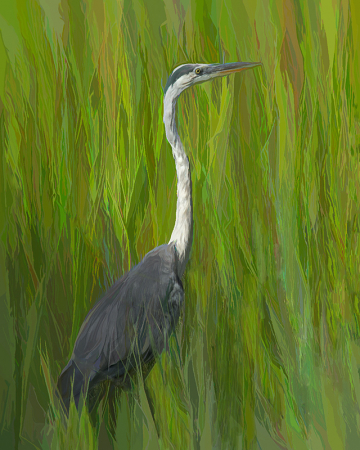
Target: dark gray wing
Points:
(132, 320)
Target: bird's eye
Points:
(198, 71)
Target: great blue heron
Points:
(132, 322)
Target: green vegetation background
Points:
(270, 333)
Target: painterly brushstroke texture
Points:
(269, 338)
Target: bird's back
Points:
(127, 326)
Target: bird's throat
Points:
(183, 230)
(182, 234)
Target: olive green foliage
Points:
(269, 337)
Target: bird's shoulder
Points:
(147, 286)
(156, 270)
(152, 278)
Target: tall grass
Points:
(269, 338)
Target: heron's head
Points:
(189, 74)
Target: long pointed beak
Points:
(220, 70)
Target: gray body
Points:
(127, 327)
(133, 321)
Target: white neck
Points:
(183, 230)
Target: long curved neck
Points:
(182, 234)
